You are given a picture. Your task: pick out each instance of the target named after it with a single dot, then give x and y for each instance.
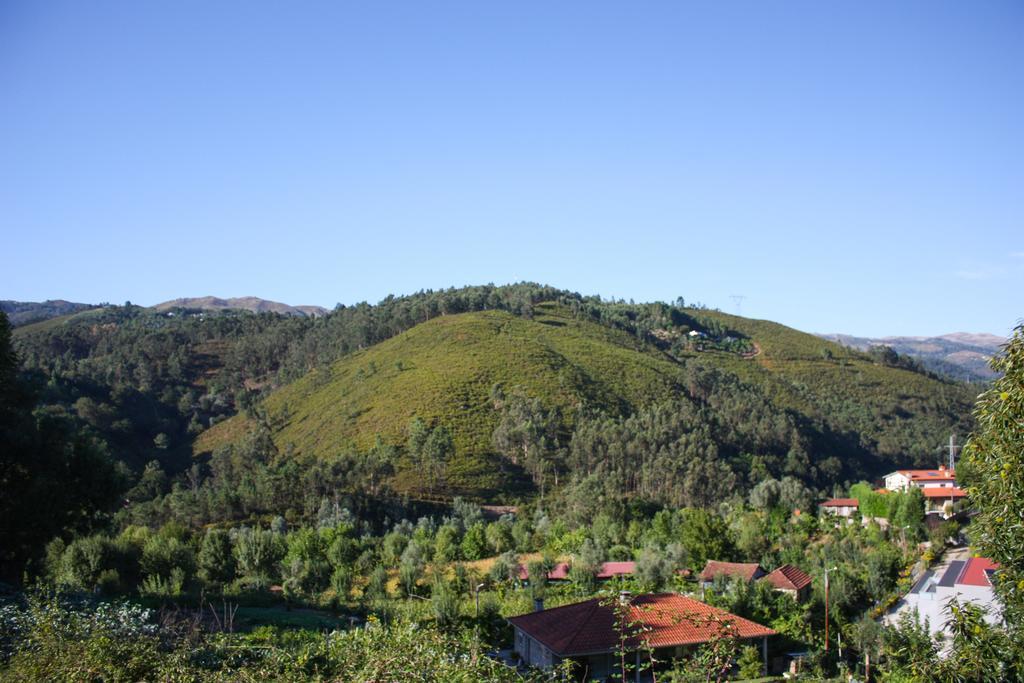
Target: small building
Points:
(790, 580)
(745, 571)
(591, 633)
(614, 570)
(840, 507)
(901, 480)
(936, 497)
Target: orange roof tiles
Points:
(841, 503)
(943, 492)
(929, 475)
(610, 570)
(665, 619)
(788, 577)
(743, 570)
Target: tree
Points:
(162, 554)
(653, 569)
(909, 648)
(216, 560)
(499, 535)
(793, 495)
(526, 434)
(992, 470)
(377, 586)
(705, 536)
(53, 479)
(444, 602)
(585, 565)
(505, 568)
(765, 495)
(410, 567)
(749, 664)
(258, 553)
(474, 543)
(537, 573)
(446, 546)
(436, 452)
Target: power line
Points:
(738, 298)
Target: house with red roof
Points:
(937, 497)
(841, 507)
(745, 571)
(614, 570)
(901, 480)
(790, 580)
(597, 633)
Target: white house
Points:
(967, 580)
(841, 507)
(901, 480)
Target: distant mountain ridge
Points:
(962, 355)
(27, 312)
(245, 303)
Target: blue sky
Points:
(846, 166)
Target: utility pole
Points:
(953, 448)
(738, 299)
(477, 592)
(827, 570)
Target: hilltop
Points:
(244, 303)
(443, 372)
(961, 355)
(28, 312)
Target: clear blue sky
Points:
(847, 166)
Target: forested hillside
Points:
(560, 397)
(495, 392)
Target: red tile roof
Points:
(666, 620)
(612, 569)
(928, 475)
(943, 492)
(788, 577)
(744, 570)
(976, 572)
(841, 503)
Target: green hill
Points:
(845, 407)
(443, 370)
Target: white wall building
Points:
(901, 480)
(967, 580)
